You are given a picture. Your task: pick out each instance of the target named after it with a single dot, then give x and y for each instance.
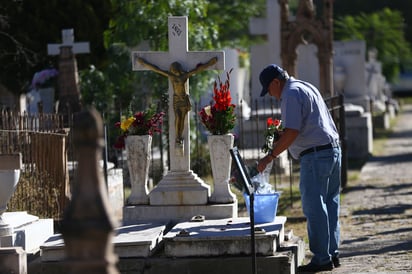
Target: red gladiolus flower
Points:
(219, 118)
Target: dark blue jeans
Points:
(320, 190)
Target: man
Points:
(310, 135)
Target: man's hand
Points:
(264, 162)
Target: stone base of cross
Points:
(180, 186)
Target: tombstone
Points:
(375, 82)
(180, 193)
(349, 61)
(33, 99)
(68, 81)
(350, 79)
(268, 52)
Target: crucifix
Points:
(69, 92)
(178, 64)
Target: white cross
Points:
(269, 52)
(178, 52)
(68, 41)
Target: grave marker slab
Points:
(350, 55)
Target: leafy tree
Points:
(95, 91)
(356, 7)
(212, 25)
(382, 30)
(26, 27)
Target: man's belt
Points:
(313, 149)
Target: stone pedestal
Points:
(381, 121)
(180, 188)
(29, 232)
(139, 149)
(176, 213)
(13, 260)
(359, 134)
(219, 146)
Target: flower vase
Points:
(219, 146)
(138, 148)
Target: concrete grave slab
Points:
(223, 237)
(29, 231)
(137, 240)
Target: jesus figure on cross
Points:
(181, 100)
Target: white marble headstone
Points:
(268, 52)
(350, 55)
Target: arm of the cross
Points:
(195, 58)
(81, 47)
(151, 66)
(202, 66)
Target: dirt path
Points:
(377, 210)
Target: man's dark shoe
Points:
(335, 261)
(311, 267)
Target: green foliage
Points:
(382, 30)
(200, 160)
(95, 89)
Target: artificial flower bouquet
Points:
(44, 78)
(219, 117)
(272, 133)
(141, 123)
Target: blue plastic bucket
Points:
(265, 206)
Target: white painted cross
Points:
(68, 41)
(180, 185)
(190, 60)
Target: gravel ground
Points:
(376, 216)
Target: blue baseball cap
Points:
(268, 74)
